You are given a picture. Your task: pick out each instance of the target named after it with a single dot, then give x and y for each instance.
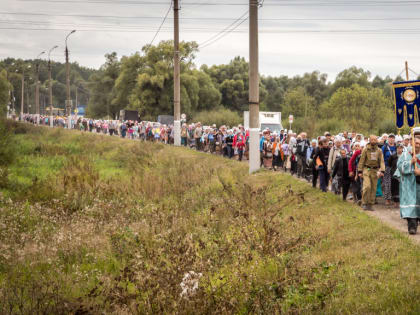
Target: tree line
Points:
(219, 93)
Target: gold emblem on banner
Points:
(409, 95)
(410, 116)
(400, 111)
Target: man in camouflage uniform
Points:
(371, 166)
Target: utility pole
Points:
(9, 104)
(8, 95)
(50, 87)
(254, 93)
(37, 87)
(22, 101)
(177, 78)
(68, 100)
(28, 100)
(37, 90)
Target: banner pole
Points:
(413, 144)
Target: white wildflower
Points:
(189, 283)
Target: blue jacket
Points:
(388, 150)
(262, 144)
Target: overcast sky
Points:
(295, 36)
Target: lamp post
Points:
(9, 92)
(37, 87)
(50, 86)
(68, 100)
(22, 100)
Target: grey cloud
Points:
(280, 53)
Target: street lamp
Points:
(50, 86)
(37, 86)
(22, 101)
(10, 92)
(68, 101)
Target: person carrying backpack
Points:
(239, 143)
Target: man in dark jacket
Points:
(341, 170)
(321, 162)
(302, 145)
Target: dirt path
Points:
(391, 217)
(388, 215)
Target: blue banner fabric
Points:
(407, 103)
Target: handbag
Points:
(318, 161)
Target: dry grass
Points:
(115, 226)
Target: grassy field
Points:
(91, 224)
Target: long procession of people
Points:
(352, 165)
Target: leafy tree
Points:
(298, 103)
(153, 92)
(4, 92)
(315, 85)
(219, 116)
(101, 89)
(358, 108)
(232, 80)
(78, 76)
(130, 69)
(350, 76)
(276, 88)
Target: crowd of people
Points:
(366, 167)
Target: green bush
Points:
(220, 116)
(6, 145)
(332, 125)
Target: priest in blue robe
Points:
(409, 177)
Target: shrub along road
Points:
(94, 224)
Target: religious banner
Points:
(407, 103)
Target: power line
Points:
(164, 19)
(268, 31)
(128, 2)
(277, 3)
(225, 29)
(210, 18)
(222, 35)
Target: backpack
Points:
(299, 148)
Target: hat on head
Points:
(416, 130)
(391, 136)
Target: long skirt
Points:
(268, 162)
(386, 184)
